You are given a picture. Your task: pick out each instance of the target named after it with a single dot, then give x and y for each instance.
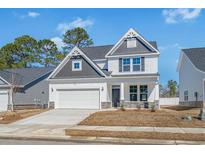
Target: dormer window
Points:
(76, 65)
(131, 42)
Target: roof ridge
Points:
(98, 46)
(193, 48)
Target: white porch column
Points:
(122, 91)
(156, 95)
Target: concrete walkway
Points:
(57, 117)
(57, 133)
(141, 129)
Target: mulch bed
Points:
(166, 117)
(136, 135)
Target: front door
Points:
(115, 97)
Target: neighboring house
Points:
(104, 76)
(29, 84)
(191, 68)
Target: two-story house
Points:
(191, 68)
(104, 76)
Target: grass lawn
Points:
(165, 117)
(9, 117)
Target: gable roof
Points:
(197, 57)
(99, 52)
(133, 34)
(74, 52)
(24, 76)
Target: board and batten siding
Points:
(150, 63)
(39, 90)
(190, 79)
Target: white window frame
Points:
(143, 93)
(136, 64)
(126, 64)
(136, 93)
(80, 65)
(186, 96)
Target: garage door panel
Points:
(78, 98)
(3, 101)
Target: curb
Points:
(108, 140)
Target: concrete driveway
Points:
(57, 117)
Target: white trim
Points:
(67, 58)
(130, 55)
(128, 77)
(80, 65)
(131, 30)
(180, 61)
(4, 80)
(99, 59)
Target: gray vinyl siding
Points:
(139, 49)
(87, 70)
(36, 90)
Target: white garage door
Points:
(3, 100)
(78, 99)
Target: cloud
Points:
(169, 47)
(59, 42)
(33, 14)
(173, 16)
(78, 22)
(30, 14)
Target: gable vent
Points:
(131, 42)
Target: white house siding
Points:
(53, 89)
(152, 91)
(151, 65)
(190, 79)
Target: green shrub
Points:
(122, 107)
(153, 107)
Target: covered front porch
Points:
(132, 92)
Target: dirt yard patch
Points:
(136, 135)
(165, 117)
(9, 117)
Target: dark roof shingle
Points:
(24, 76)
(197, 57)
(99, 52)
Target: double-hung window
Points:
(126, 65)
(143, 92)
(136, 64)
(133, 93)
(186, 96)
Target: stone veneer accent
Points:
(192, 103)
(51, 105)
(106, 105)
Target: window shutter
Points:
(120, 65)
(142, 64)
